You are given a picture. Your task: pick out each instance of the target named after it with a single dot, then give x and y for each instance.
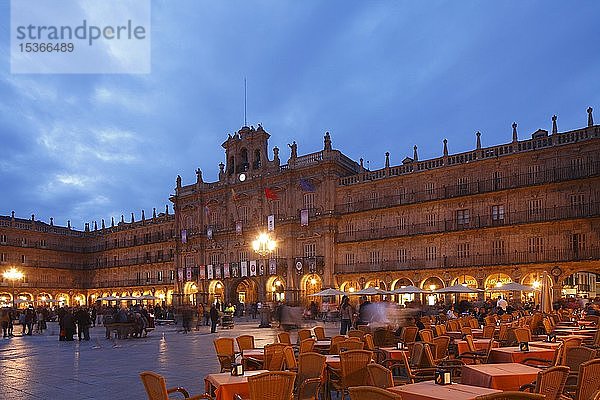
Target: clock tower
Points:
(246, 154)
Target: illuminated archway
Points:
(583, 284)
(79, 300)
(401, 283)
(350, 286)
(432, 283)
(496, 281)
(189, 290)
(44, 299)
(275, 288)
(310, 284)
(5, 299)
(63, 299)
(216, 291)
(535, 280)
(247, 291)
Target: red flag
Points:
(271, 194)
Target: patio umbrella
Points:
(546, 299)
(329, 292)
(148, 297)
(457, 289)
(19, 301)
(410, 289)
(128, 298)
(512, 287)
(107, 298)
(370, 291)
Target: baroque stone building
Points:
(520, 211)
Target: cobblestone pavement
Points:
(41, 367)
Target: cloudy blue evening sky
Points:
(379, 75)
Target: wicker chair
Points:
(522, 334)
(543, 363)
(156, 388)
(426, 335)
(441, 344)
(380, 376)
(356, 333)
(567, 344)
(284, 337)
(588, 383)
(473, 323)
(476, 356)
(307, 346)
(346, 345)
(277, 385)
(333, 347)
(490, 320)
(466, 330)
(574, 357)
(488, 331)
(352, 372)
(304, 334)
(511, 396)
(550, 382)
(371, 393)
(320, 333)
(273, 359)
(245, 342)
(225, 352)
(440, 330)
(368, 341)
(289, 358)
(311, 374)
(409, 335)
(403, 372)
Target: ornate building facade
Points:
(523, 211)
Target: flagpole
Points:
(245, 121)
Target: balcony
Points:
(551, 175)
(585, 210)
(133, 261)
(478, 260)
(127, 283)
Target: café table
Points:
(259, 354)
(545, 345)
(323, 343)
(428, 390)
(514, 355)
(475, 332)
(332, 360)
(505, 376)
(575, 331)
(480, 344)
(393, 352)
(224, 386)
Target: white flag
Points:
(209, 271)
(272, 266)
(271, 223)
(244, 268)
(252, 268)
(304, 217)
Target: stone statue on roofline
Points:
(294, 149)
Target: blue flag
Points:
(306, 186)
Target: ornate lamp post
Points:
(13, 275)
(264, 246)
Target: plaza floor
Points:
(41, 367)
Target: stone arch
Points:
(350, 286)
(63, 299)
(581, 283)
(5, 299)
(432, 283)
(245, 290)
(79, 299)
(309, 285)
(493, 281)
(275, 288)
(468, 281)
(216, 291)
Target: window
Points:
(430, 253)
(310, 249)
(578, 242)
(463, 185)
(498, 248)
(349, 203)
(349, 258)
(148, 257)
(2, 238)
(147, 238)
(2, 257)
(159, 255)
(533, 172)
(401, 222)
(172, 275)
(350, 228)
(23, 241)
(148, 276)
(462, 217)
(374, 199)
(243, 214)
(400, 195)
(159, 276)
(374, 257)
(535, 245)
(243, 256)
(401, 255)
(429, 187)
(497, 179)
(430, 219)
(23, 258)
(535, 207)
(43, 243)
(215, 259)
(498, 213)
(138, 277)
(308, 201)
(275, 208)
(577, 201)
(373, 225)
(577, 164)
(463, 250)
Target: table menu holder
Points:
(524, 346)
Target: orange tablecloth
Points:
(333, 360)
(430, 391)
(224, 386)
(514, 355)
(393, 352)
(480, 344)
(545, 345)
(506, 376)
(575, 331)
(323, 343)
(259, 354)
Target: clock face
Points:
(242, 177)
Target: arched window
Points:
(256, 164)
(243, 160)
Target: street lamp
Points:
(13, 275)
(264, 245)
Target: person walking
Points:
(4, 318)
(83, 321)
(214, 318)
(346, 314)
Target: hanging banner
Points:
(202, 272)
(180, 274)
(188, 274)
(253, 268)
(235, 270)
(183, 236)
(299, 266)
(271, 223)
(261, 268)
(217, 272)
(238, 227)
(209, 272)
(272, 266)
(304, 217)
(209, 233)
(244, 268)
(226, 270)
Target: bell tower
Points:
(246, 152)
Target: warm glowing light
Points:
(13, 274)
(432, 287)
(43, 298)
(313, 281)
(194, 287)
(218, 285)
(498, 284)
(273, 289)
(61, 299)
(277, 283)
(264, 245)
(536, 284)
(351, 290)
(161, 296)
